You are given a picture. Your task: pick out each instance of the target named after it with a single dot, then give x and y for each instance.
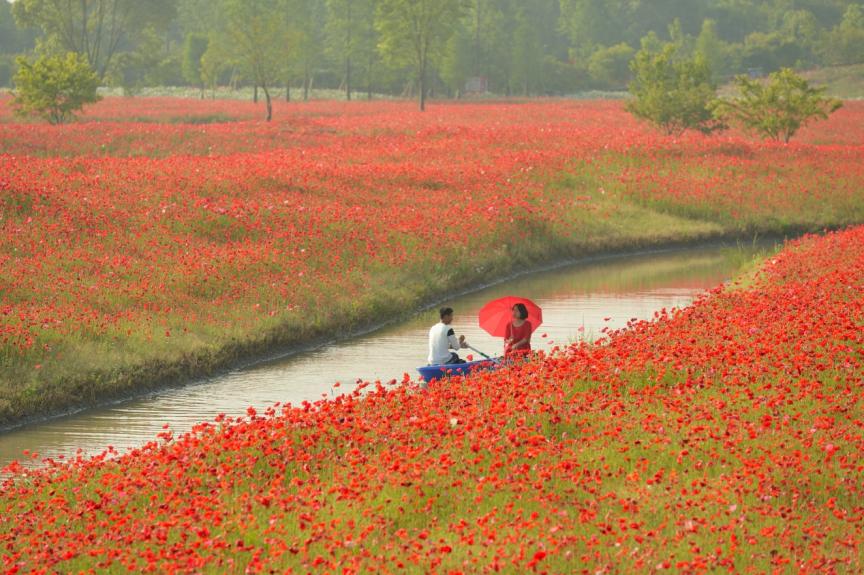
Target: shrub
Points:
(54, 87)
(779, 107)
(673, 92)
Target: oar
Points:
(475, 350)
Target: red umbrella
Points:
(495, 315)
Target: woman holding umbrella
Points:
(517, 337)
(514, 319)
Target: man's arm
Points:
(456, 343)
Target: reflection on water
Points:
(576, 303)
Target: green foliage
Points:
(96, 29)
(141, 66)
(673, 92)
(308, 23)
(6, 71)
(199, 17)
(714, 51)
(590, 23)
(610, 67)
(682, 41)
(845, 42)
(258, 41)
(779, 107)
(564, 77)
(457, 64)
(352, 38)
(771, 51)
(515, 46)
(415, 32)
(521, 46)
(55, 87)
(13, 39)
(527, 53)
(487, 25)
(194, 48)
(213, 64)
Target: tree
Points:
(12, 39)
(5, 71)
(536, 45)
(307, 22)
(490, 27)
(368, 43)
(845, 42)
(133, 69)
(673, 92)
(779, 107)
(415, 32)
(54, 87)
(194, 48)
(96, 29)
(213, 64)
(677, 37)
(712, 49)
(590, 23)
(457, 63)
(258, 39)
(527, 54)
(351, 26)
(200, 17)
(610, 66)
(801, 29)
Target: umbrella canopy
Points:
(495, 315)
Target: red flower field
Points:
(158, 239)
(724, 437)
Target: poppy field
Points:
(724, 437)
(161, 239)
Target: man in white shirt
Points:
(442, 339)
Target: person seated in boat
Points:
(517, 338)
(443, 343)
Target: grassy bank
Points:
(726, 437)
(150, 253)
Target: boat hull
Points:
(432, 373)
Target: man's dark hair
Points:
(522, 309)
(445, 311)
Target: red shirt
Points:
(515, 335)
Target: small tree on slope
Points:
(672, 92)
(55, 87)
(779, 107)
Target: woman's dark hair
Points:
(445, 311)
(523, 311)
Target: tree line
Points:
(420, 47)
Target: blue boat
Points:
(432, 373)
